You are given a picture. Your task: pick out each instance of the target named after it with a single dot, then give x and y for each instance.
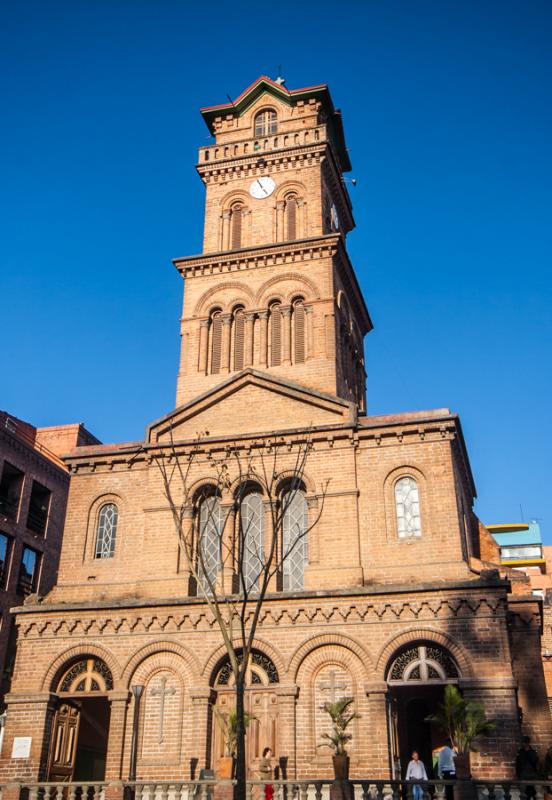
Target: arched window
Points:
(88, 674)
(424, 663)
(298, 323)
(215, 342)
(238, 336)
(106, 532)
(294, 537)
(275, 335)
(236, 220)
(407, 503)
(290, 211)
(266, 123)
(251, 540)
(209, 535)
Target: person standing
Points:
(447, 767)
(527, 765)
(416, 771)
(265, 773)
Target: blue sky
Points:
(447, 111)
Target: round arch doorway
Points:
(416, 679)
(261, 703)
(80, 727)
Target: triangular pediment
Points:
(249, 403)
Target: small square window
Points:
(39, 505)
(28, 574)
(10, 491)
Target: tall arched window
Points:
(294, 537)
(106, 531)
(266, 123)
(275, 335)
(238, 337)
(215, 342)
(407, 502)
(209, 533)
(236, 225)
(298, 328)
(290, 211)
(251, 539)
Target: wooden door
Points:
(262, 704)
(63, 742)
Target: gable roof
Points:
(290, 96)
(252, 403)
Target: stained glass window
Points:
(261, 669)
(87, 675)
(407, 501)
(210, 529)
(106, 531)
(423, 663)
(251, 538)
(294, 544)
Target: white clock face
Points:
(262, 187)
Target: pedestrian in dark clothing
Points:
(527, 765)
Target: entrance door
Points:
(261, 704)
(80, 731)
(65, 733)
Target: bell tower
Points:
(274, 288)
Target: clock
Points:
(262, 187)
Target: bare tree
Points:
(234, 569)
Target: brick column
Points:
(249, 329)
(28, 715)
(202, 697)
(280, 236)
(225, 350)
(287, 746)
(263, 334)
(377, 748)
(203, 345)
(301, 219)
(310, 335)
(115, 743)
(496, 757)
(225, 230)
(286, 334)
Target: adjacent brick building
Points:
(34, 483)
(390, 599)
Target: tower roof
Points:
(290, 96)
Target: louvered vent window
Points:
(291, 217)
(239, 338)
(215, 331)
(236, 229)
(299, 348)
(275, 335)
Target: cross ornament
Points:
(162, 692)
(332, 686)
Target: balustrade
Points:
(362, 789)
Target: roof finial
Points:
(279, 80)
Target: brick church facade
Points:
(388, 603)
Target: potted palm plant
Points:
(228, 724)
(341, 717)
(463, 721)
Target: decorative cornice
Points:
(263, 255)
(262, 162)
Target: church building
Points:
(388, 601)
